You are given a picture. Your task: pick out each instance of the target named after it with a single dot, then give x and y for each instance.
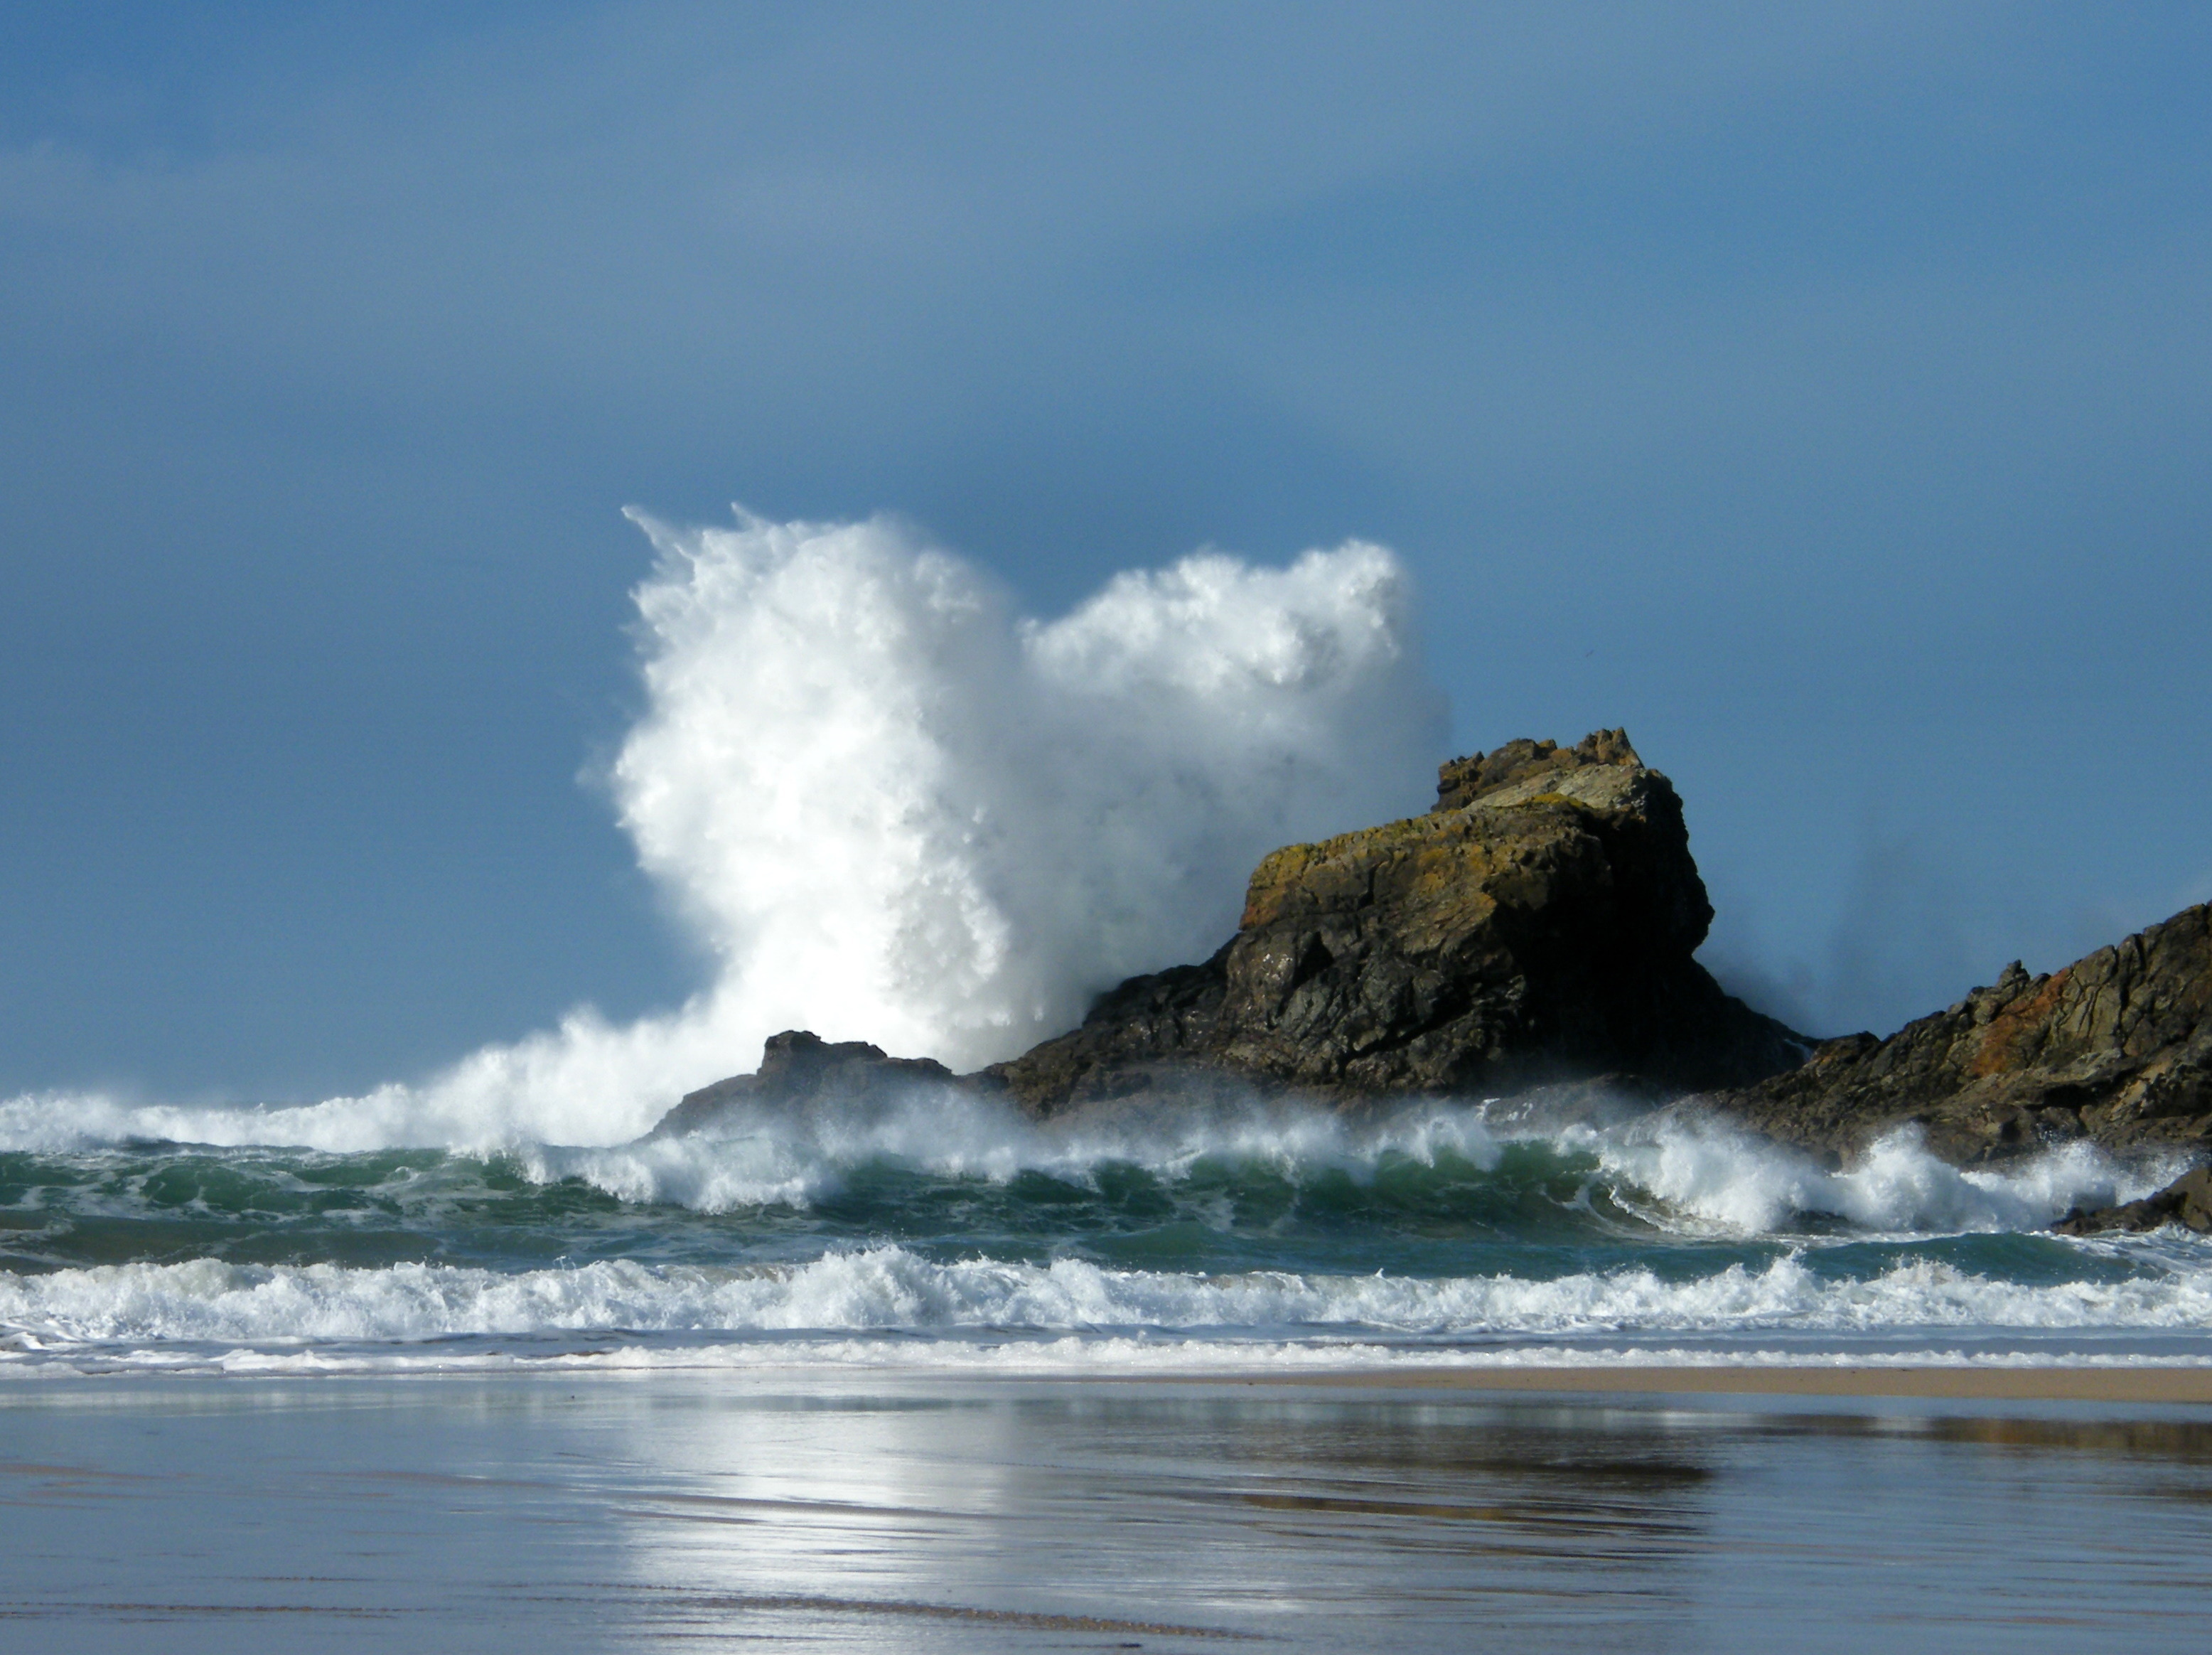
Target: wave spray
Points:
(894, 809)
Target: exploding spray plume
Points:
(894, 810)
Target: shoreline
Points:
(2147, 1385)
(2182, 1386)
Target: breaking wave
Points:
(944, 1168)
(894, 809)
(889, 1289)
(945, 1219)
(1671, 1171)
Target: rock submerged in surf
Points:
(800, 1069)
(2187, 1201)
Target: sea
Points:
(478, 1362)
(951, 1233)
(934, 1376)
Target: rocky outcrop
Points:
(2187, 1201)
(1536, 926)
(799, 1071)
(2116, 1047)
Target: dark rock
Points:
(2116, 1047)
(2187, 1201)
(799, 1070)
(1535, 930)
(1536, 927)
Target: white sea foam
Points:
(897, 811)
(1679, 1174)
(887, 1287)
(760, 1156)
(1706, 1171)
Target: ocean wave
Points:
(888, 1288)
(1678, 1174)
(1665, 1174)
(1711, 1174)
(761, 1156)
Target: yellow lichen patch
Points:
(1440, 860)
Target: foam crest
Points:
(889, 1287)
(1707, 1171)
(1679, 1174)
(761, 1156)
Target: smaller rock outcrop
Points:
(799, 1070)
(2187, 1201)
(2116, 1047)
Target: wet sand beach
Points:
(1614, 1510)
(2112, 1384)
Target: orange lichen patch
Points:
(2013, 1034)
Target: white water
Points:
(894, 810)
(887, 1287)
(1683, 1175)
(1736, 1183)
(1691, 1180)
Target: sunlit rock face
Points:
(2116, 1047)
(1538, 925)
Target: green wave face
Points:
(1535, 1209)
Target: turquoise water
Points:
(1444, 1232)
(1541, 1210)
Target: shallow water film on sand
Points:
(871, 1513)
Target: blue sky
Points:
(1822, 392)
